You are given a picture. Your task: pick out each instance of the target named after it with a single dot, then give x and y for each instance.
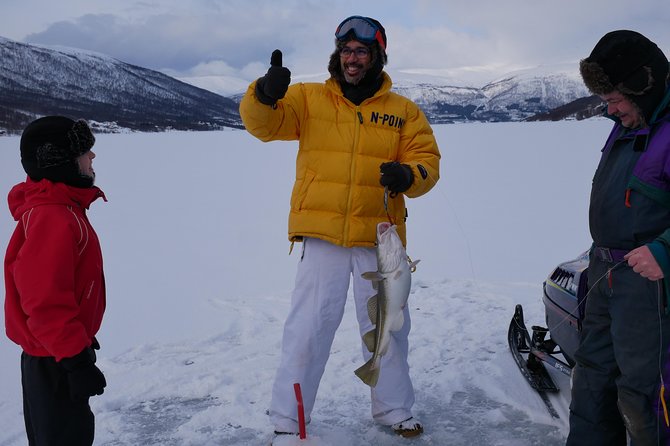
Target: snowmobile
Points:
(564, 298)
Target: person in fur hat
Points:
(360, 146)
(54, 282)
(622, 359)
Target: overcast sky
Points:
(233, 39)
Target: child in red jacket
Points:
(54, 282)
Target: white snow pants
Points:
(317, 307)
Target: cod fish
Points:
(392, 280)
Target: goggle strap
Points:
(352, 27)
(380, 39)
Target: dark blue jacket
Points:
(641, 211)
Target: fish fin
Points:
(368, 372)
(369, 339)
(375, 276)
(372, 308)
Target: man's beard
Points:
(354, 80)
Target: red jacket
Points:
(54, 281)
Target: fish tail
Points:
(368, 372)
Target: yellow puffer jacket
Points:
(337, 196)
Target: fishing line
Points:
(467, 243)
(386, 205)
(661, 395)
(460, 228)
(659, 295)
(458, 223)
(579, 302)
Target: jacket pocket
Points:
(301, 192)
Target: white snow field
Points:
(199, 282)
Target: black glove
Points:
(272, 87)
(83, 377)
(397, 177)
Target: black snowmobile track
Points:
(531, 367)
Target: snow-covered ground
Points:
(199, 281)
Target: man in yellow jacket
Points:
(356, 139)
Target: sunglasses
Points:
(364, 29)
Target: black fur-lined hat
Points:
(630, 63)
(50, 147)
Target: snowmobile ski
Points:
(529, 364)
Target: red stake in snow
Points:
(301, 411)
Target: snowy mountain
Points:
(37, 80)
(516, 96)
(113, 95)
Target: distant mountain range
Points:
(37, 80)
(517, 96)
(116, 96)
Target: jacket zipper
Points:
(357, 134)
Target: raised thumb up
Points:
(272, 87)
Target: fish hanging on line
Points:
(393, 281)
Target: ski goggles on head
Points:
(363, 28)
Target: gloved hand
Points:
(272, 87)
(397, 177)
(84, 378)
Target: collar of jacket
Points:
(387, 83)
(32, 193)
